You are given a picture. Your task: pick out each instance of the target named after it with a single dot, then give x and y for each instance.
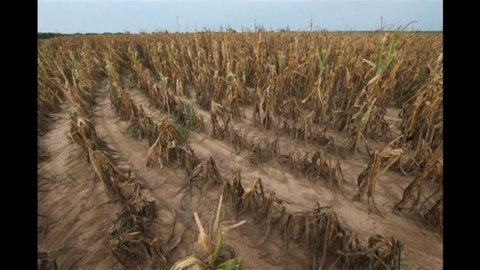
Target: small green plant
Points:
(191, 120)
(163, 79)
(129, 77)
(73, 116)
(189, 124)
(181, 130)
(212, 243)
(134, 131)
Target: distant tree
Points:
(286, 29)
(49, 35)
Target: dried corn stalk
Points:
(414, 191)
(380, 161)
(133, 243)
(263, 151)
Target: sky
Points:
(98, 16)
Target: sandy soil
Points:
(74, 215)
(74, 205)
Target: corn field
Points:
(161, 128)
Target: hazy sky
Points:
(97, 16)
